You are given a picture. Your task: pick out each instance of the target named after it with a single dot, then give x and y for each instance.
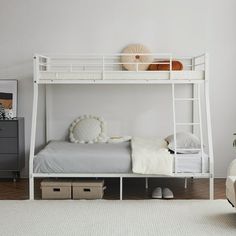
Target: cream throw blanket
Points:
(151, 156)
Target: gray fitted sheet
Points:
(65, 157)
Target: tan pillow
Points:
(136, 50)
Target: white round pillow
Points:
(88, 129)
(136, 50)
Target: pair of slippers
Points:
(165, 193)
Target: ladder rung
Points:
(186, 99)
(187, 123)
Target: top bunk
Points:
(120, 68)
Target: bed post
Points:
(146, 183)
(33, 130)
(209, 130)
(121, 188)
(185, 182)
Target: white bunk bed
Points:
(107, 69)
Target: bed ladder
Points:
(196, 97)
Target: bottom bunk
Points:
(62, 159)
(66, 157)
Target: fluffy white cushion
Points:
(136, 49)
(184, 140)
(88, 129)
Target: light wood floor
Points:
(133, 188)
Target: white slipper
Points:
(157, 193)
(167, 193)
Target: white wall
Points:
(76, 26)
(137, 110)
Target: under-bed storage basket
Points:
(88, 189)
(56, 189)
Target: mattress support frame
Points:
(121, 177)
(172, 81)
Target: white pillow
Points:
(88, 129)
(184, 140)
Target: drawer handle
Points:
(87, 190)
(56, 189)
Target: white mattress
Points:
(65, 157)
(112, 76)
(191, 163)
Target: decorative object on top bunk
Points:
(185, 143)
(136, 57)
(8, 99)
(88, 129)
(165, 65)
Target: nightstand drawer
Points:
(8, 129)
(8, 162)
(8, 145)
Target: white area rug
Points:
(101, 217)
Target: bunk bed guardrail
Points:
(109, 67)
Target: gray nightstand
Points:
(12, 146)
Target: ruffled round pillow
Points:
(88, 129)
(136, 50)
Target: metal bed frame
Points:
(107, 69)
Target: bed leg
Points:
(121, 188)
(185, 182)
(211, 188)
(31, 188)
(146, 183)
